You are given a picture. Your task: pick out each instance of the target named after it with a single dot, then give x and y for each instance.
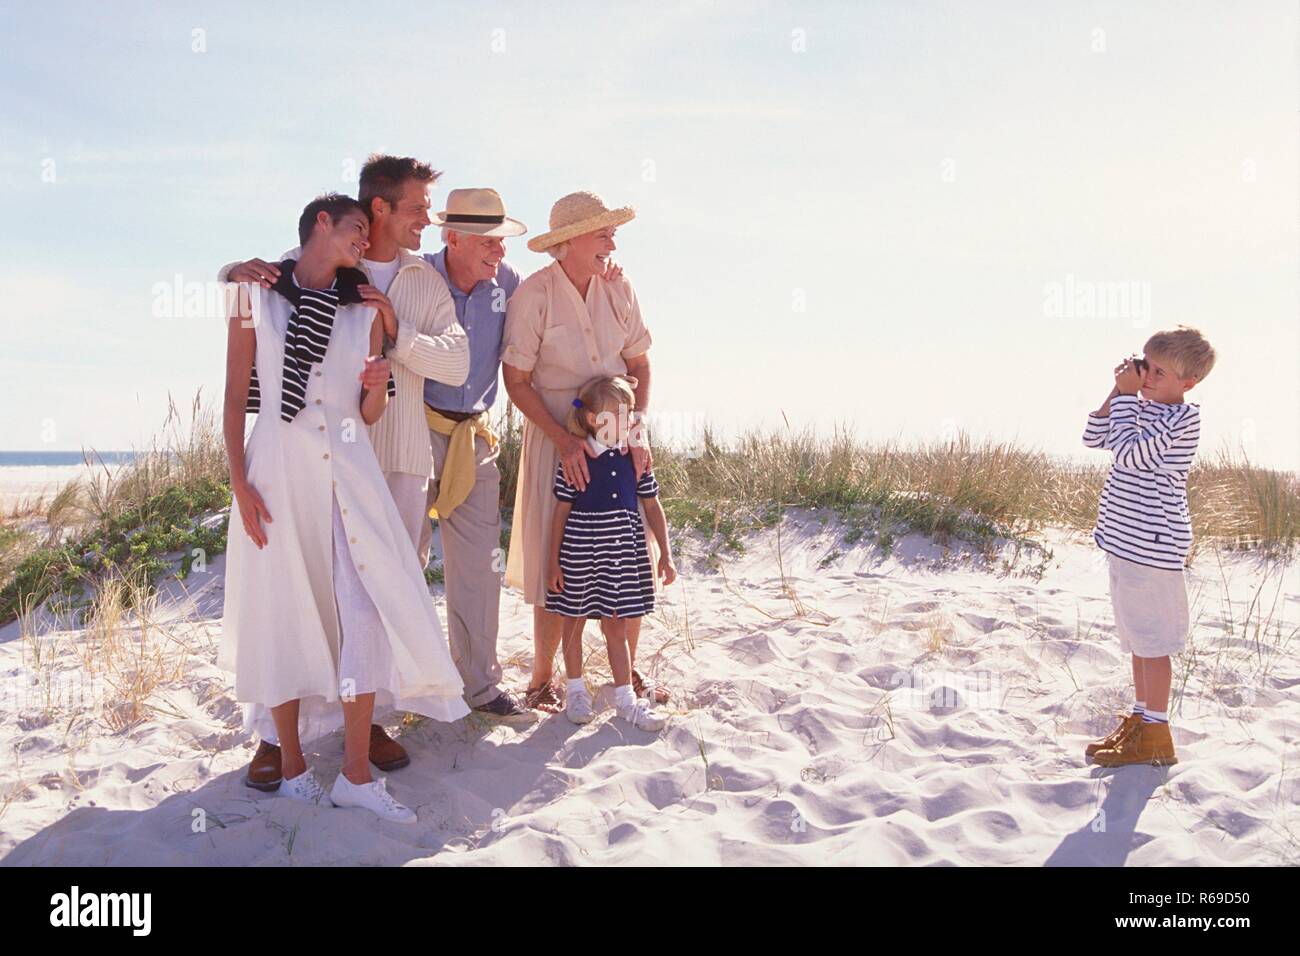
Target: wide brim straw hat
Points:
(478, 211)
(577, 214)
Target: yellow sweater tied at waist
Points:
(458, 470)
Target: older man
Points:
(465, 494)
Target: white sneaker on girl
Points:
(578, 706)
(372, 796)
(304, 788)
(638, 712)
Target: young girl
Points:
(326, 605)
(599, 562)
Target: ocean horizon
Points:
(54, 459)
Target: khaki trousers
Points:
(472, 568)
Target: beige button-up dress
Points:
(565, 341)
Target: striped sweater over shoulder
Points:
(1143, 515)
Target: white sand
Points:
(796, 737)
(24, 487)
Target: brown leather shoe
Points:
(385, 752)
(264, 769)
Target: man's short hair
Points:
(386, 176)
(336, 204)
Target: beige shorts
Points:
(1150, 608)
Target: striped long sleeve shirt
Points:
(1143, 515)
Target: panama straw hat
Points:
(576, 214)
(479, 211)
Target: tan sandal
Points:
(639, 685)
(544, 698)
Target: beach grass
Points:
(149, 515)
(142, 521)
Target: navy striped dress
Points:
(603, 554)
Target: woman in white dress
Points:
(326, 604)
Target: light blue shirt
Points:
(482, 314)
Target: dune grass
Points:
(138, 522)
(140, 516)
(961, 490)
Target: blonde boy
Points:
(1144, 527)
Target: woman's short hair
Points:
(558, 251)
(336, 204)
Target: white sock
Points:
(1139, 707)
(575, 685)
(623, 697)
(1155, 717)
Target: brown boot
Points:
(1150, 744)
(264, 769)
(385, 752)
(1127, 725)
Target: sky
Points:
(903, 218)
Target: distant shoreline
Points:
(56, 459)
(23, 484)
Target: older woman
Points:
(566, 325)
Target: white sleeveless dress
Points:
(338, 570)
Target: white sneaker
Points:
(372, 796)
(641, 715)
(304, 788)
(578, 707)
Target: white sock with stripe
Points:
(1155, 717)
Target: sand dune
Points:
(832, 706)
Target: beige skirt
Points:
(530, 529)
(1151, 614)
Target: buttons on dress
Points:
(318, 401)
(320, 428)
(327, 454)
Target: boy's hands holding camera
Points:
(1129, 375)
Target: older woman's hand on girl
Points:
(574, 453)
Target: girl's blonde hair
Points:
(602, 397)
(1186, 349)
